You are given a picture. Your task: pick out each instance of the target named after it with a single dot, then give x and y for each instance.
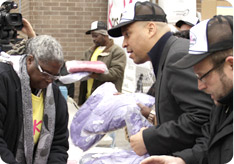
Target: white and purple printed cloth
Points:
(104, 112)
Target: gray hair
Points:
(45, 48)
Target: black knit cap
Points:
(139, 11)
(207, 37)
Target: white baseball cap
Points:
(138, 11)
(207, 37)
(97, 25)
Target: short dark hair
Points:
(219, 57)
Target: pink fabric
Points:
(86, 66)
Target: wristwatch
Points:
(152, 116)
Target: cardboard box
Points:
(209, 8)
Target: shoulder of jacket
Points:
(5, 67)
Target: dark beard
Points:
(227, 84)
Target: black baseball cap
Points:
(207, 37)
(139, 11)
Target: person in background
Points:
(34, 114)
(213, 66)
(186, 23)
(106, 51)
(180, 114)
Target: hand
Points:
(145, 111)
(164, 159)
(27, 29)
(137, 143)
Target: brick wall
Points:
(66, 20)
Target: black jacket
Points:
(216, 145)
(11, 119)
(181, 108)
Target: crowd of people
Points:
(193, 112)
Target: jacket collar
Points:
(227, 99)
(156, 52)
(226, 127)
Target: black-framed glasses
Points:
(207, 73)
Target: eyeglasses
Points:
(207, 73)
(46, 74)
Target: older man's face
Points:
(42, 74)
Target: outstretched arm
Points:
(28, 29)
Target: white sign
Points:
(115, 8)
(178, 9)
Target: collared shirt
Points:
(156, 52)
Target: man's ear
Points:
(229, 61)
(30, 59)
(152, 28)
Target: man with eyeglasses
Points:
(211, 56)
(33, 112)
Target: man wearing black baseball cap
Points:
(211, 56)
(181, 109)
(105, 50)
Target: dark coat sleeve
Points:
(59, 148)
(198, 153)
(216, 144)
(9, 116)
(183, 111)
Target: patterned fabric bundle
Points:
(119, 157)
(104, 112)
